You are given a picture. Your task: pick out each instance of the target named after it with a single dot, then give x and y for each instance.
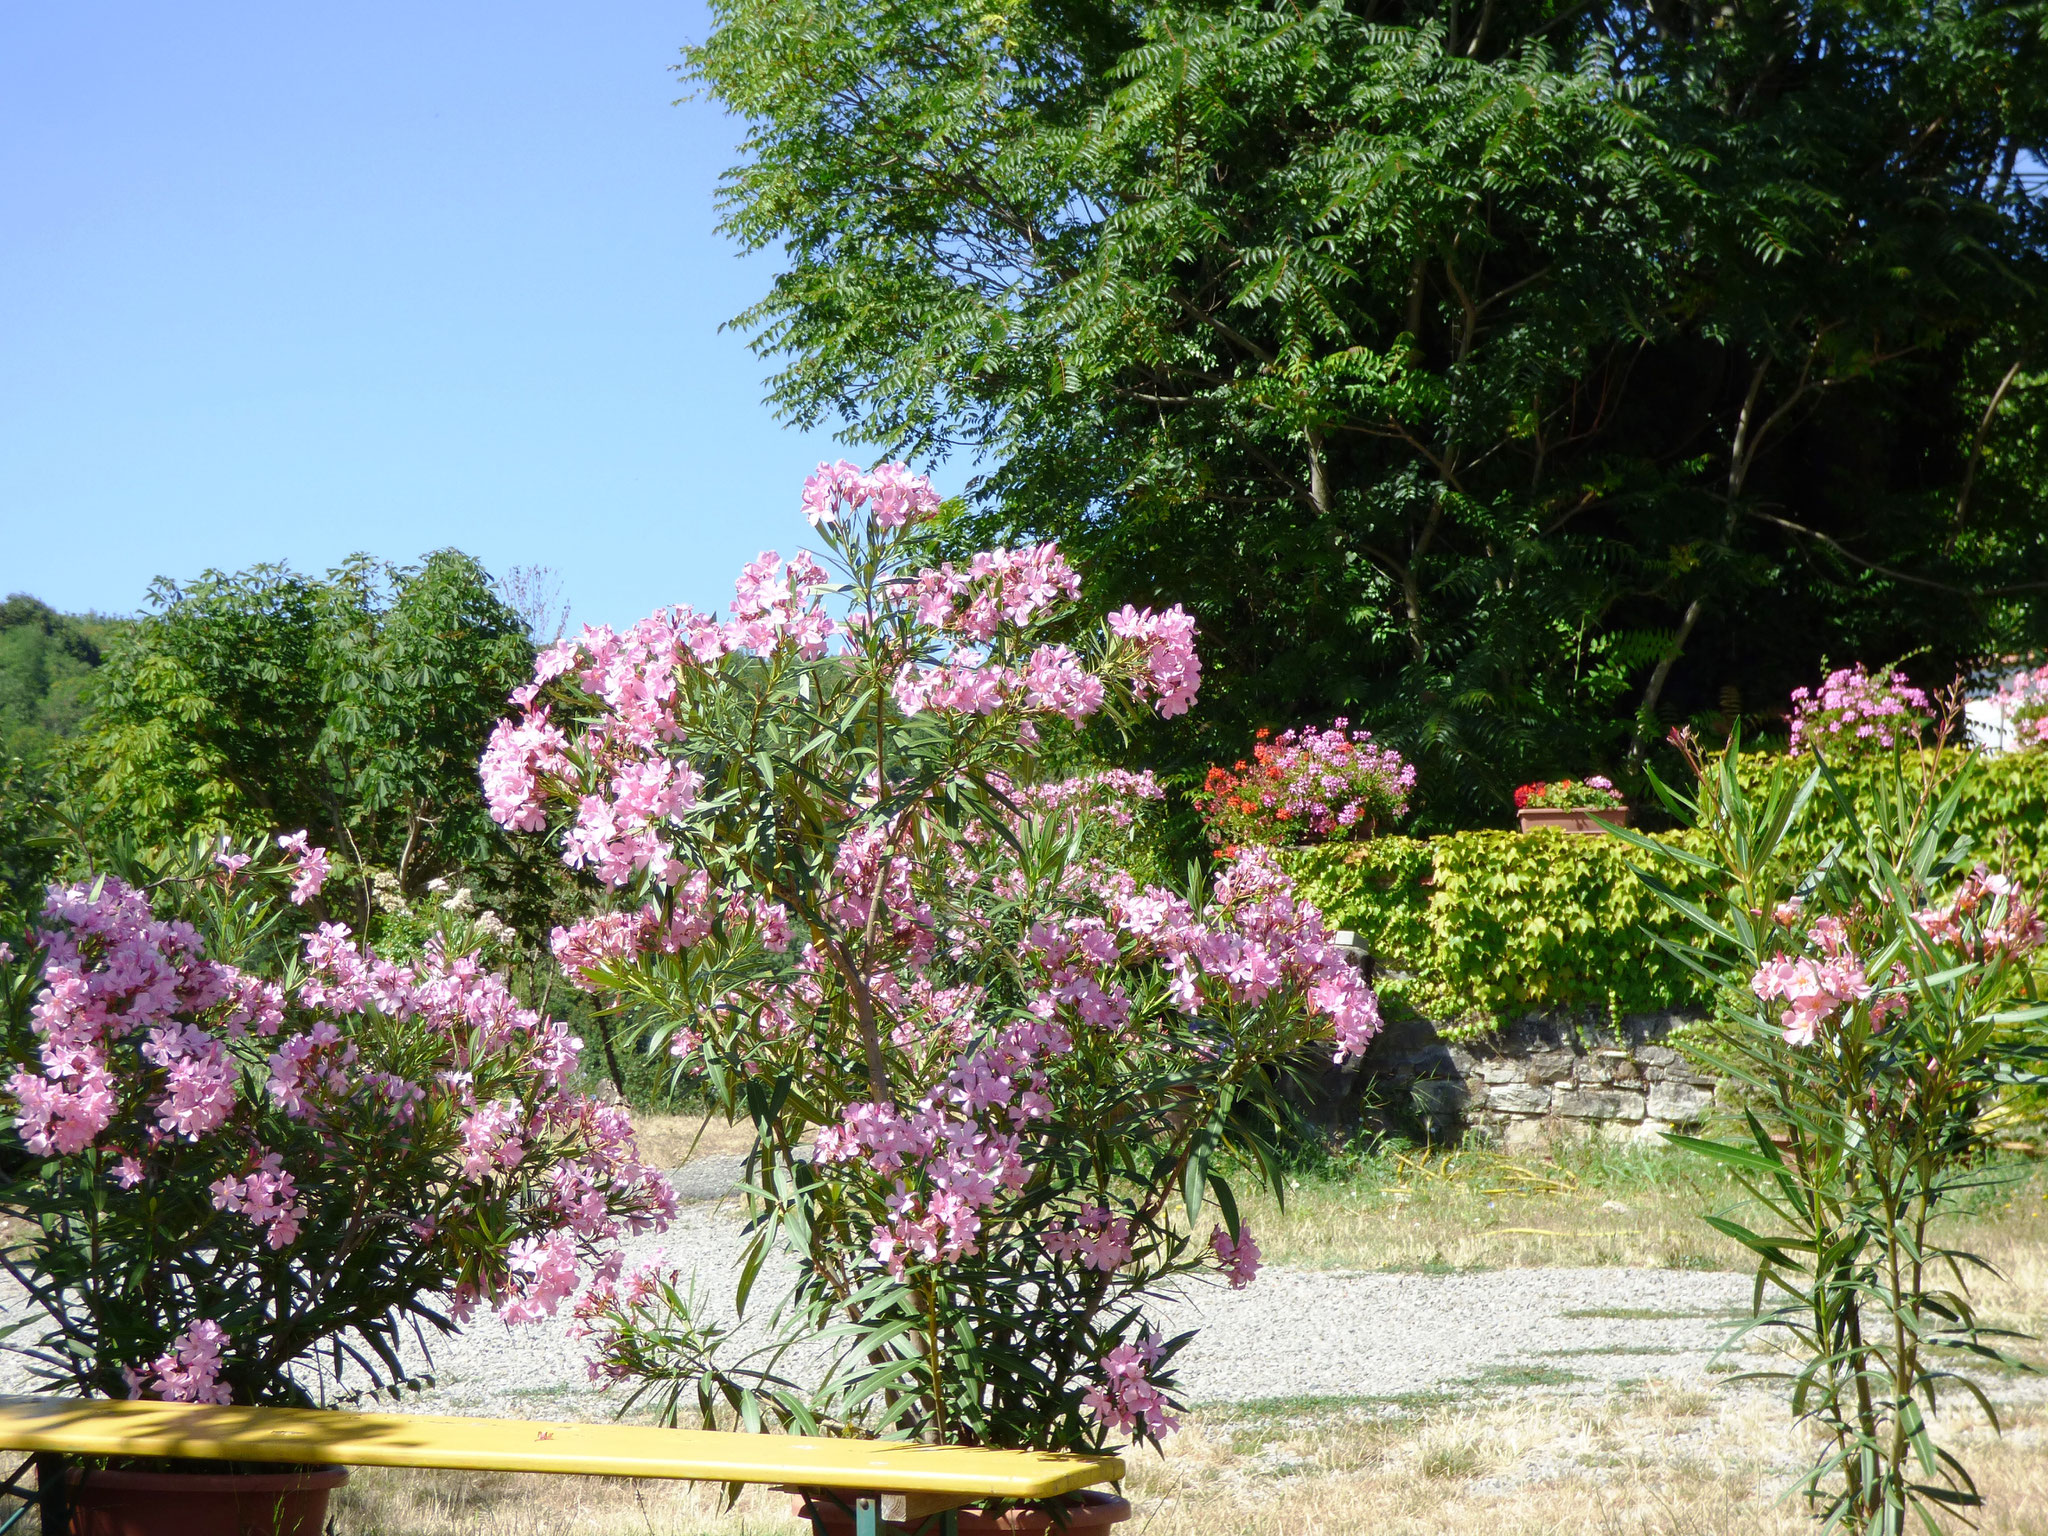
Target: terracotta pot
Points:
(1095, 1512)
(125, 1503)
(1578, 819)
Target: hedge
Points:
(1473, 929)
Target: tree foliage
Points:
(1518, 376)
(265, 701)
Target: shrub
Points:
(240, 1189)
(1306, 787)
(842, 897)
(1871, 1010)
(1475, 929)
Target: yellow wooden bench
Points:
(883, 1482)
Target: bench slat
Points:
(198, 1431)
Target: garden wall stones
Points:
(1526, 1083)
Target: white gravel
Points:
(1293, 1333)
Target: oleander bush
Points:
(1473, 929)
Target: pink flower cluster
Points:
(1172, 672)
(1239, 1258)
(1812, 989)
(269, 1196)
(2023, 702)
(114, 979)
(1127, 1400)
(960, 1168)
(189, 1371)
(1987, 916)
(123, 1048)
(1853, 710)
(593, 944)
(891, 495)
(1097, 1240)
(998, 586)
(311, 867)
(1257, 939)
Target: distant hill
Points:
(46, 658)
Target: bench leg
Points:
(867, 1516)
(52, 1493)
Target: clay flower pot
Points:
(131, 1503)
(1094, 1512)
(1577, 819)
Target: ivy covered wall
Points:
(1474, 929)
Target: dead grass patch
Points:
(1662, 1460)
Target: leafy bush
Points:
(2003, 807)
(232, 1189)
(843, 894)
(1908, 997)
(1475, 928)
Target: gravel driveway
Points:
(1293, 1333)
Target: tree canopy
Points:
(1517, 376)
(356, 706)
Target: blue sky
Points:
(281, 282)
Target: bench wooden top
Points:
(198, 1431)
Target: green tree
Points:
(46, 658)
(264, 701)
(1520, 376)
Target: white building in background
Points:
(1990, 730)
(1989, 715)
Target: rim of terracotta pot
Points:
(135, 1479)
(1113, 1509)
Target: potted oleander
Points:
(998, 1086)
(247, 1163)
(1331, 785)
(1570, 805)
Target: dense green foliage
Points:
(1507, 924)
(354, 705)
(1510, 923)
(46, 659)
(1513, 378)
(2003, 809)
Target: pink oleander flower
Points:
(1814, 991)
(1853, 711)
(1238, 1260)
(311, 870)
(1126, 1400)
(189, 1371)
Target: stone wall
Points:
(1526, 1083)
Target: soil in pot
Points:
(129, 1502)
(1091, 1512)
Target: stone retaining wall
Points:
(1527, 1082)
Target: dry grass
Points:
(669, 1141)
(1579, 1204)
(1655, 1461)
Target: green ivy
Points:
(2004, 811)
(1477, 928)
